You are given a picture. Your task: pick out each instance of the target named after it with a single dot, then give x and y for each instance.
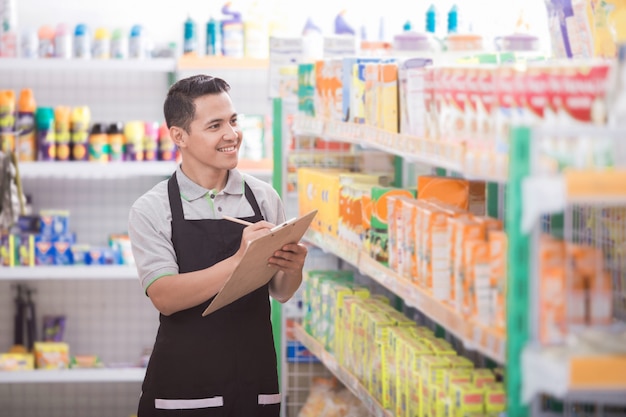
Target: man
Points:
(223, 364)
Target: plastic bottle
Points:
(7, 120)
(151, 141)
(232, 33)
(62, 123)
(29, 44)
(341, 25)
(190, 38)
(431, 19)
(101, 44)
(167, 147)
(137, 42)
(46, 41)
(8, 29)
(46, 142)
(62, 41)
(134, 132)
(117, 141)
(98, 143)
(26, 141)
(256, 33)
(80, 120)
(213, 45)
(82, 42)
(119, 45)
(453, 19)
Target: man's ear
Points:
(178, 136)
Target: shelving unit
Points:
(86, 273)
(162, 65)
(67, 376)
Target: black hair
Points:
(179, 108)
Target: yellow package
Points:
(456, 375)
(495, 398)
(17, 362)
(52, 355)
(460, 230)
(483, 376)
(468, 399)
(432, 370)
(388, 118)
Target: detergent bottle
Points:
(190, 40)
(232, 33)
(26, 146)
(213, 45)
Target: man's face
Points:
(214, 136)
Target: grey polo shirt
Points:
(149, 221)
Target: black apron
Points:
(223, 364)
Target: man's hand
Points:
(251, 233)
(290, 259)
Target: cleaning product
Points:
(98, 143)
(256, 33)
(80, 119)
(46, 146)
(8, 29)
(117, 142)
(134, 131)
(190, 40)
(101, 43)
(453, 19)
(119, 44)
(341, 25)
(82, 42)
(213, 45)
(312, 41)
(62, 126)
(167, 147)
(431, 19)
(25, 141)
(29, 44)
(62, 41)
(46, 41)
(232, 33)
(150, 141)
(137, 42)
(7, 120)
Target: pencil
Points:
(236, 220)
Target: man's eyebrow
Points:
(210, 122)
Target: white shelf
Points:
(73, 375)
(83, 169)
(57, 64)
(87, 273)
(350, 381)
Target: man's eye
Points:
(233, 122)
(214, 126)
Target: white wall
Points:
(164, 19)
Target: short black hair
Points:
(179, 108)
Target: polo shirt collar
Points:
(191, 191)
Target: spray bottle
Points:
(7, 120)
(213, 45)
(80, 119)
(46, 41)
(26, 142)
(46, 146)
(82, 42)
(431, 19)
(232, 33)
(62, 123)
(190, 41)
(8, 29)
(62, 41)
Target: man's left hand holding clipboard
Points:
(268, 253)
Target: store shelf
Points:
(349, 380)
(73, 375)
(473, 335)
(88, 273)
(190, 62)
(56, 64)
(86, 170)
(567, 375)
(449, 156)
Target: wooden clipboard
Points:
(253, 272)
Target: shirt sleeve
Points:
(151, 243)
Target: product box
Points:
(51, 355)
(329, 89)
(306, 88)
(17, 362)
(379, 249)
(44, 251)
(387, 92)
(318, 188)
(498, 258)
(461, 230)
(482, 377)
(348, 84)
(495, 398)
(54, 223)
(411, 95)
(468, 398)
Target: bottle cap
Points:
(80, 30)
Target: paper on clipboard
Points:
(253, 272)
